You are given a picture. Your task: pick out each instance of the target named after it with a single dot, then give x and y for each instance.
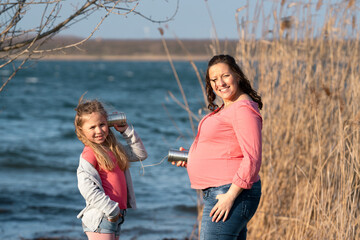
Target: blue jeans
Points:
(243, 209)
(109, 227)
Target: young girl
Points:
(103, 174)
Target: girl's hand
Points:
(121, 128)
(180, 163)
(115, 218)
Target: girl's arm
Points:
(134, 149)
(90, 188)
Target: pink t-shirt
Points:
(113, 182)
(227, 148)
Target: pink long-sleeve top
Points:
(227, 148)
(113, 182)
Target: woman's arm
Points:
(247, 124)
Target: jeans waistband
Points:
(210, 188)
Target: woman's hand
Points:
(180, 163)
(225, 202)
(121, 128)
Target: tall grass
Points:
(309, 79)
(310, 87)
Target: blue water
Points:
(39, 150)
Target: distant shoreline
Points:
(129, 50)
(121, 58)
(57, 49)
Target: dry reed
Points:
(311, 137)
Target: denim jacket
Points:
(98, 204)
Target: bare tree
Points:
(22, 43)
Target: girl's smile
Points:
(95, 127)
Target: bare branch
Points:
(128, 10)
(186, 108)
(178, 81)
(15, 19)
(13, 74)
(79, 42)
(54, 30)
(16, 42)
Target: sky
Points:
(193, 19)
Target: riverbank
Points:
(130, 50)
(147, 58)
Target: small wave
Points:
(13, 116)
(184, 208)
(36, 168)
(68, 134)
(5, 72)
(5, 201)
(101, 66)
(4, 211)
(140, 231)
(129, 74)
(32, 80)
(65, 234)
(51, 210)
(38, 204)
(158, 232)
(166, 132)
(67, 104)
(25, 159)
(110, 78)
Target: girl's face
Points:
(95, 127)
(224, 83)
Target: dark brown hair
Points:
(244, 83)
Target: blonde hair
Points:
(110, 143)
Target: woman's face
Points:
(95, 127)
(224, 82)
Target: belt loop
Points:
(123, 212)
(206, 191)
